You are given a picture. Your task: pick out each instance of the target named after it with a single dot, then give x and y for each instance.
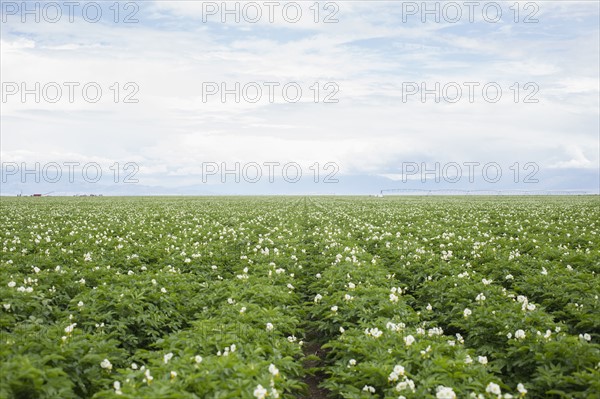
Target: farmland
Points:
(265, 297)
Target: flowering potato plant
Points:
(281, 297)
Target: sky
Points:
(338, 97)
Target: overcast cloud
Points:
(373, 133)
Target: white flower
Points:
(292, 338)
(260, 392)
(368, 388)
(519, 334)
(198, 359)
(134, 366)
(482, 359)
(270, 327)
(467, 312)
(243, 309)
(12, 284)
(521, 389)
(334, 308)
(351, 363)
(167, 357)
(351, 286)
(509, 277)
(148, 378)
(69, 328)
(80, 304)
(435, 331)
(395, 290)
(468, 359)
(407, 383)
(493, 389)
(373, 332)
(117, 386)
(342, 330)
(173, 374)
(396, 373)
(409, 340)
(318, 275)
(348, 297)
(318, 297)
(586, 336)
(401, 386)
(394, 327)
(429, 307)
(273, 370)
(393, 298)
(6, 306)
(291, 287)
(480, 297)
(163, 290)
(230, 301)
(105, 364)
(443, 392)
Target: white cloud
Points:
(369, 53)
(578, 160)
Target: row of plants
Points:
(149, 299)
(452, 288)
(216, 297)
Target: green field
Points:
(291, 297)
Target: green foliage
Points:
(212, 297)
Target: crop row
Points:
(216, 298)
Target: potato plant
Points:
(229, 297)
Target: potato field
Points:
(300, 297)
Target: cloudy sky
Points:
(371, 94)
